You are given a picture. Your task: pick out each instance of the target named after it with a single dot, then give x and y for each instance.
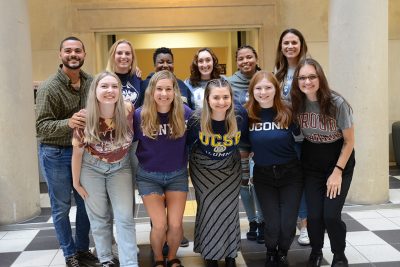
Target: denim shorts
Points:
(160, 182)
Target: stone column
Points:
(358, 69)
(19, 182)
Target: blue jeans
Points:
(303, 207)
(105, 183)
(55, 163)
(250, 201)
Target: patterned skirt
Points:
(217, 185)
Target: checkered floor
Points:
(373, 237)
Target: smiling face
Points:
(107, 90)
(264, 93)
(123, 58)
(164, 95)
(72, 54)
(308, 82)
(205, 64)
(291, 46)
(219, 100)
(164, 62)
(246, 62)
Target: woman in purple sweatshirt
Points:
(162, 178)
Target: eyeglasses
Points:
(311, 77)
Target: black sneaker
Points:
(315, 260)
(283, 261)
(72, 262)
(230, 262)
(271, 259)
(184, 242)
(340, 260)
(260, 233)
(252, 233)
(86, 258)
(111, 263)
(211, 263)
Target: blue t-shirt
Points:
(131, 89)
(271, 143)
(219, 145)
(162, 154)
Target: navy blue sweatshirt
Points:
(272, 144)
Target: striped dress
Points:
(217, 185)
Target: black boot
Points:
(315, 259)
(282, 259)
(252, 233)
(211, 263)
(230, 262)
(260, 233)
(339, 260)
(271, 259)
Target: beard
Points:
(73, 66)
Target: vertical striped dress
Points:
(217, 185)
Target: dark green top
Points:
(56, 102)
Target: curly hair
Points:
(162, 50)
(195, 75)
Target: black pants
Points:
(279, 189)
(323, 212)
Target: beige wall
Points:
(183, 45)
(53, 20)
(310, 17)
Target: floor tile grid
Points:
(373, 239)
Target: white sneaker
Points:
(303, 240)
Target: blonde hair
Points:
(92, 130)
(230, 118)
(150, 122)
(111, 57)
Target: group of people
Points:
(240, 135)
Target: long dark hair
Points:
(195, 75)
(281, 63)
(324, 93)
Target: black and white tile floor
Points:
(373, 237)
